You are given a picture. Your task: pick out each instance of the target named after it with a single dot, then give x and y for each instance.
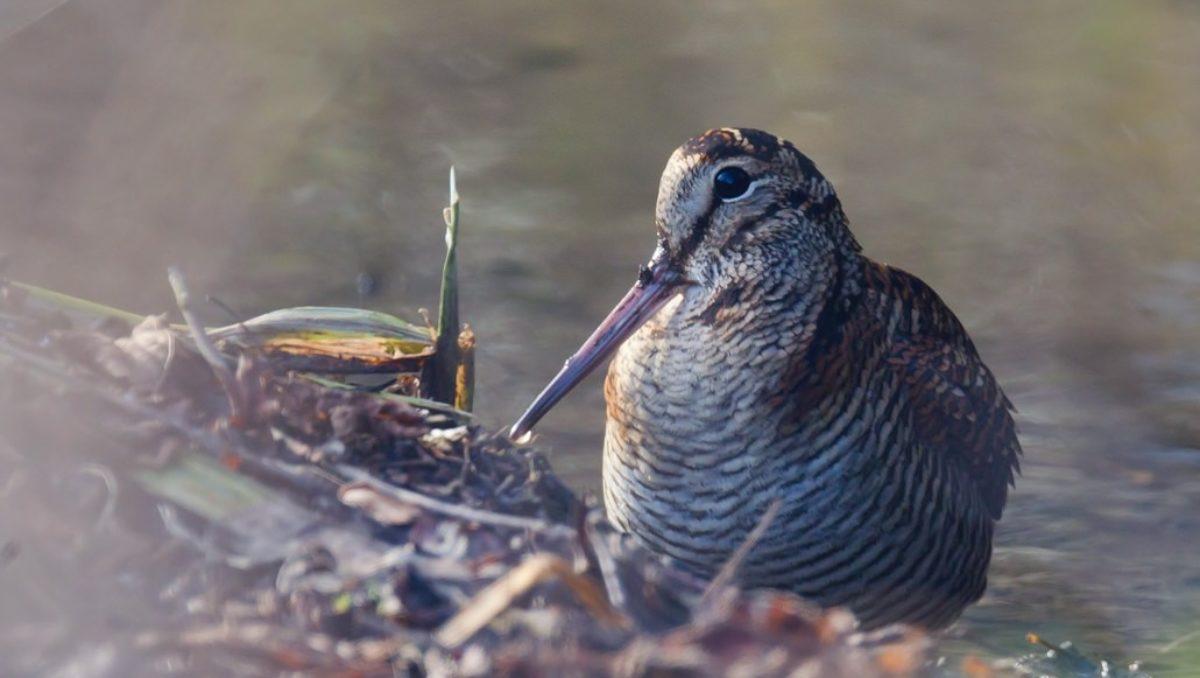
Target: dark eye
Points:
(731, 183)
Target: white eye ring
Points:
(749, 191)
(732, 177)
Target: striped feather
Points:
(884, 434)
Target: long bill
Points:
(657, 285)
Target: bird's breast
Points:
(692, 443)
(685, 386)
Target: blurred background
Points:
(1038, 163)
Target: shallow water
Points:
(1036, 163)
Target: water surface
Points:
(1036, 163)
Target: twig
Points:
(237, 404)
(1171, 646)
(111, 486)
(167, 362)
(175, 527)
(489, 603)
(462, 512)
(236, 317)
(730, 569)
(422, 403)
(604, 560)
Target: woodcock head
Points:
(734, 206)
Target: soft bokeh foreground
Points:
(1037, 163)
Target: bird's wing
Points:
(958, 408)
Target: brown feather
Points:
(958, 408)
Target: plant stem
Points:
(447, 355)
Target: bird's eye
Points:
(731, 183)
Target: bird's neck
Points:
(800, 304)
(717, 368)
(757, 328)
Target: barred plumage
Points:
(766, 358)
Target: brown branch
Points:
(604, 559)
(501, 594)
(364, 479)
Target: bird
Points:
(761, 358)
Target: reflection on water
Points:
(1035, 163)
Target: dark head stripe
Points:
(696, 234)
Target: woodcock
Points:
(761, 356)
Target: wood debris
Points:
(166, 515)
